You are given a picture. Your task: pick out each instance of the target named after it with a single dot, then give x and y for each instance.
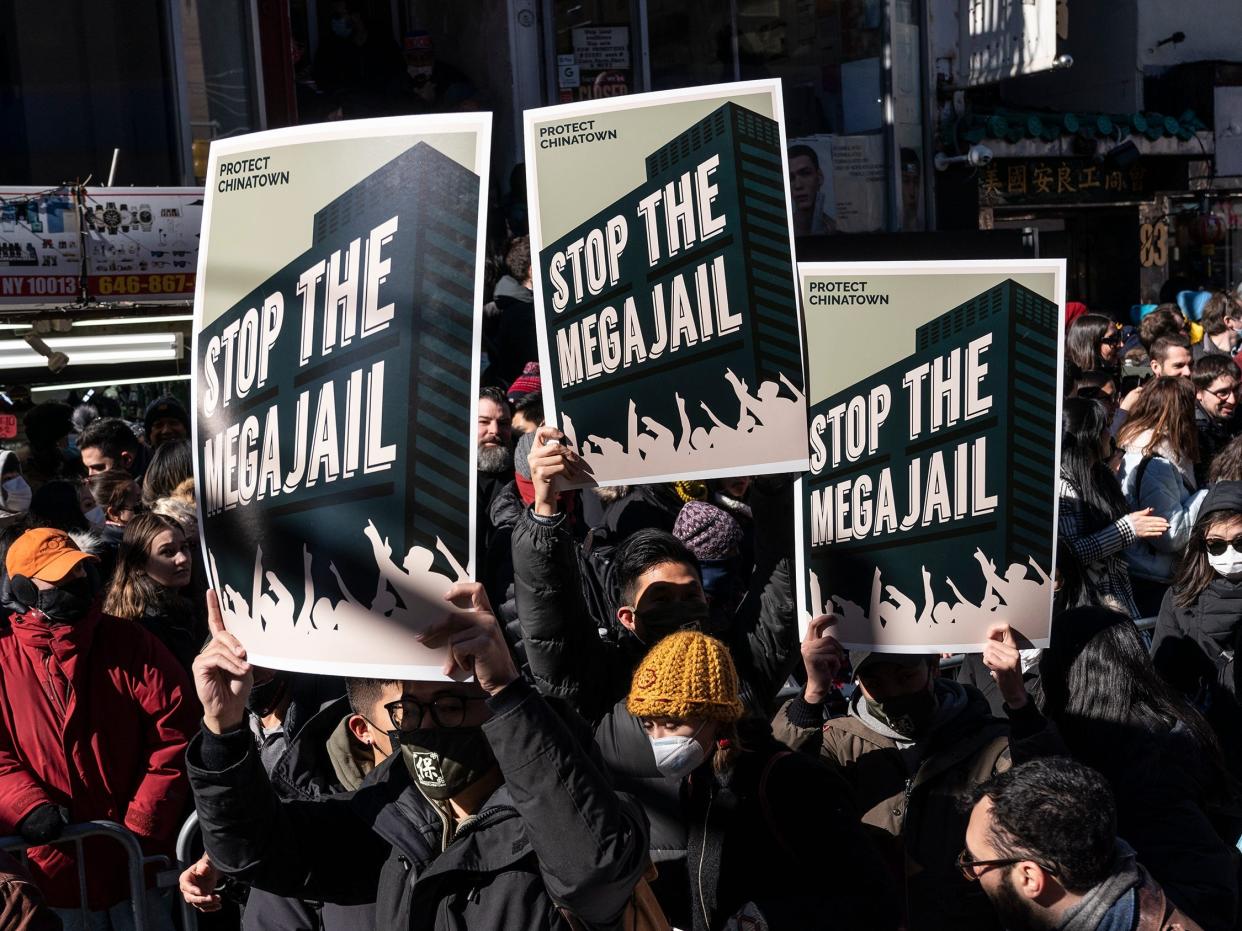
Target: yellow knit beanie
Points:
(691, 490)
(686, 675)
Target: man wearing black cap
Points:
(911, 745)
(165, 419)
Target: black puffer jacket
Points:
(1194, 645)
(554, 835)
(567, 657)
(496, 571)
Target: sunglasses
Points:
(1114, 340)
(1218, 547)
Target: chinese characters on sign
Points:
(1052, 180)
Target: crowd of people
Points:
(635, 736)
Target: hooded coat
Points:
(909, 794)
(1193, 646)
(95, 716)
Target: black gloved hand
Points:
(43, 824)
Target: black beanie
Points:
(167, 406)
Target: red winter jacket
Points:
(94, 716)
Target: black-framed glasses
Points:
(968, 865)
(1224, 394)
(1218, 547)
(1114, 339)
(447, 710)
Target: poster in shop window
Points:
(670, 334)
(334, 386)
(929, 512)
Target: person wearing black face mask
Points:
(658, 587)
(490, 813)
(95, 715)
(911, 744)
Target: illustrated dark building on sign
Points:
(751, 143)
(444, 219)
(733, 384)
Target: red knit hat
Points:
(1074, 310)
(524, 384)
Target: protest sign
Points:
(670, 337)
(929, 511)
(335, 386)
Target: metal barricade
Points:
(185, 859)
(75, 834)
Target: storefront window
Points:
(827, 54)
(691, 43)
(217, 53)
(594, 51)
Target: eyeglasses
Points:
(1224, 394)
(447, 710)
(968, 864)
(1218, 547)
(1113, 340)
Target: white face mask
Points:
(677, 757)
(96, 516)
(1227, 564)
(16, 495)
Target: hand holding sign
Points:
(1001, 655)
(823, 656)
(222, 676)
(474, 641)
(549, 460)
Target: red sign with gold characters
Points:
(1073, 180)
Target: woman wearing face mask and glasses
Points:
(771, 834)
(1200, 622)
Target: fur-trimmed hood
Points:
(611, 493)
(89, 541)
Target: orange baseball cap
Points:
(45, 554)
